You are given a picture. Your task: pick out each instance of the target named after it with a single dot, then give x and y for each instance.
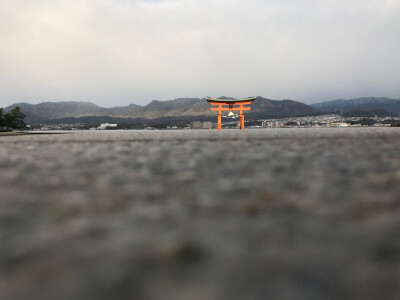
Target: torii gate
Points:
(221, 106)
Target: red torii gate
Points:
(222, 106)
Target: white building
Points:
(232, 115)
(339, 124)
(105, 126)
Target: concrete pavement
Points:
(201, 214)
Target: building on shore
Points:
(195, 125)
(200, 125)
(207, 125)
(106, 126)
(339, 124)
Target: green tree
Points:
(2, 122)
(15, 119)
(367, 121)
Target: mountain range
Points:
(184, 107)
(360, 104)
(192, 108)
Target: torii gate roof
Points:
(230, 100)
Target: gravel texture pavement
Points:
(201, 214)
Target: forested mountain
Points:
(183, 107)
(360, 104)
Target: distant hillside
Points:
(57, 110)
(266, 108)
(360, 104)
(183, 107)
(95, 121)
(369, 114)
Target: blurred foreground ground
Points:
(201, 215)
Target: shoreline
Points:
(17, 133)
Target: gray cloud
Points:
(132, 51)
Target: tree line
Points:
(14, 119)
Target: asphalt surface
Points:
(201, 214)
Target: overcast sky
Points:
(116, 52)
